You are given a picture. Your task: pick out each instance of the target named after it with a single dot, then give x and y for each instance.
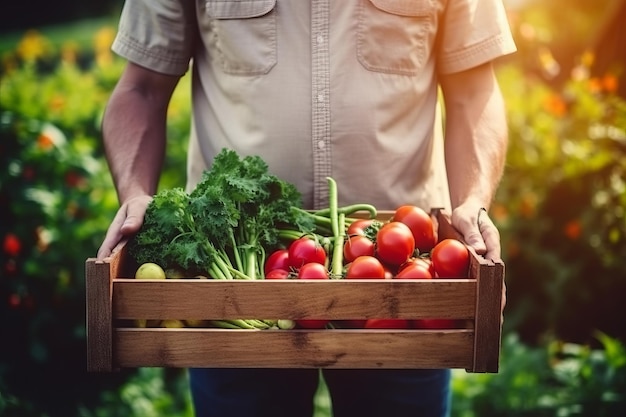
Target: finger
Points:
(476, 241)
(112, 237)
(135, 213)
(468, 226)
(127, 222)
(503, 303)
(490, 236)
(131, 225)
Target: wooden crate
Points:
(115, 298)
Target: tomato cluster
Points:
(404, 247)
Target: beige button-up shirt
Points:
(318, 88)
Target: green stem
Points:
(258, 324)
(224, 324)
(332, 199)
(237, 274)
(223, 266)
(322, 221)
(290, 235)
(215, 272)
(236, 255)
(251, 263)
(337, 221)
(240, 324)
(337, 265)
(350, 210)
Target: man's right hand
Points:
(126, 223)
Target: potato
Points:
(150, 270)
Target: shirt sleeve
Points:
(157, 34)
(473, 32)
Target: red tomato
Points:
(394, 243)
(435, 324)
(277, 274)
(358, 227)
(414, 270)
(305, 250)
(387, 324)
(365, 267)
(312, 270)
(450, 259)
(421, 225)
(279, 259)
(356, 246)
(11, 245)
(424, 262)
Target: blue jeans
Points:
(289, 392)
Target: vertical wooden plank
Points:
(99, 325)
(488, 325)
(490, 280)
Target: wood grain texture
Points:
(293, 299)
(488, 321)
(294, 348)
(98, 311)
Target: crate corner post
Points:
(98, 316)
(488, 320)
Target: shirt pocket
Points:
(393, 36)
(243, 35)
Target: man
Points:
(343, 88)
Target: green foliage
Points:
(561, 207)
(56, 199)
(151, 392)
(55, 205)
(225, 225)
(562, 379)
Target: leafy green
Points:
(226, 224)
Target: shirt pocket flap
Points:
(404, 7)
(238, 9)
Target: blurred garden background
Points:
(560, 208)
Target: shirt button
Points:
(320, 98)
(321, 144)
(319, 39)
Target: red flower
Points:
(610, 83)
(573, 229)
(555, 105)
(45, 142)
(28, 173)
(12, 245)
(10, 267)
(73, 179)
(14, 301)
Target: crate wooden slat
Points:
(113, 300)
(335, 299)
(293, 348)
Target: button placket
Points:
(320, 93)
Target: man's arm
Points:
(133, 131)
(475, 148)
